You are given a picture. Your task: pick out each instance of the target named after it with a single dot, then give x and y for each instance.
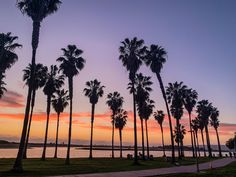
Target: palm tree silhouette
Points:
(195, 127)
(215, 123)
(2, 85)
(40, 75)
(120, 122)
(59, 103)
(132, 53)
(175, 95)
(71, 64)
(204, 109)
(115, 102)
(159, 117)
(142, 89)
(148, 110)
(179, 133)
(93, 91)
(54, 81)
(201, 127)
(37, 10)
(155, 58)
(7, 51)
(190, 100)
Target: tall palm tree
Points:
(190, 100)
(159, 117)
(142, 90)
(175, 96)
(40, 75)
(37, 10)
(148, 110)
(204, 109)
(132, 53)
(71, 64)
(59, 103)
(115, 102)
(7, 51)
(2, 85)
(120, 122)
(195, 127)
(155, 58)
(54, 81)
(215, 123)
(93, 91)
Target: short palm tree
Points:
(201, 128)
(39, 81)
(175, 96)
(204, 109)
(155, 59)
(54, 81)
(120, 122)
(37, 10)
(195, 127)
(215, 123)
(179, 134)
(115, 102)
(59, 103)
(190, 100)
(132, 53)
(2, 85)
(93, 91)
(7, 51)
(71, 64)
(159, 117)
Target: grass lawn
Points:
(50, 167)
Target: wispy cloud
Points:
(12, 99)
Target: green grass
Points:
(50, 167)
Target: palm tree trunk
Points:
(91, 138)
(182, 147)
(169, 117)
(120, 131)
(218, 140)
(35, 39)
(112, 138)
(178, 139)
(195, 151)
(163, 144)
(191, 132)
(204, 149)
(29, 126)
(70, 80)
(47, 123)
(198, 149)
(143, 151)
(135, 129)
(208, 141)
(58, 118)
(148, 156)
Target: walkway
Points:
(160, 171)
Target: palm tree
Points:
(142, 84)
(2, 85)
(37, 10)
(204, 109)
(201, 127)
(148, 110)
(59, 103)
(71, 64)
(175, 95)
(93, 91)
(7, 51)
(132, 53)
(159, 117)
(40, 75)
(190, 100)
(115, 102)
(215, 123)
(155, 58)
(120, 122)
(54, 81)
(179, 133)
(195, 127)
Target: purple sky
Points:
(199, 36)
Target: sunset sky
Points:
(199, 36)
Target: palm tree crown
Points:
(114, 101)
(94, 90)
(60, 100)
(159, 117)
(214, 118)
(121, 119)
(7, 55)
(204, 109)
(190, 99)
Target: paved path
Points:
(160, 171)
